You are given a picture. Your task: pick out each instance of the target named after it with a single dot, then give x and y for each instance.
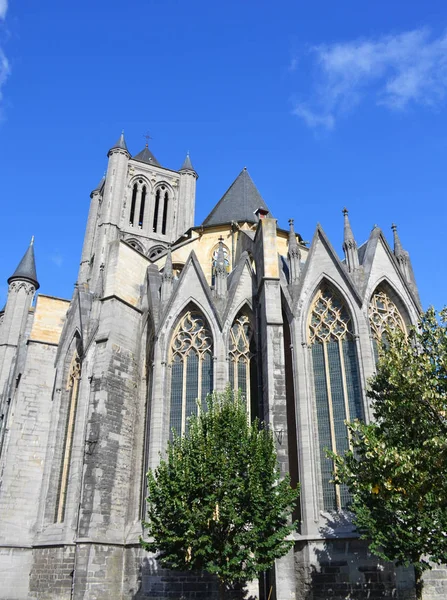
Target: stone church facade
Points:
(163, 312)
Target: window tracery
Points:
(383, 314)
(337, 384)
(241, 352)
(191, 369)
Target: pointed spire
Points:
(26, 269)
(187, 164)
(349, 244)
(167, 278)
(402, 256)
(220, 271)
(120, 144)
(294, 256)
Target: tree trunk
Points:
(418, 583)
(221, 590)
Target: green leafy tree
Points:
(217, 502)
(396, 471)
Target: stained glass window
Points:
(337, 385)
(383, 315)
(191, 369)
(241, 354)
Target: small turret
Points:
(167, 278)
(220, 272)
(22, 287)
(187, 164)
(26, 269)
(187, 196)
(349, 245)
(402, 256)
(120, 145)
(294, 256)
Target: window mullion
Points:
(199, 384)
(331, 416)
(185, 376)
(345, 387)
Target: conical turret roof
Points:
(146, 156)
(187, 164)
(239, 202)
(121, 143)
(27, 267)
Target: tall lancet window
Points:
(383, 315)
(133, 204)
(337, 385)
(73, 388)
(242, 359)
(191, 369)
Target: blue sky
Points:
(327, 104)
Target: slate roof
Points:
(238, 203)
(121, 143)
(187, 164)
(146, 156)
(26, 268)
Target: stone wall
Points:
(341, 569)
(51, 576)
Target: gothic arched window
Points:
(156, 207)
(241, 351)
(165, 213)
(133, 203)
(214, 262)
(142, 203)
(337, 385)
(383, 315)
(73, 388)
(191, 369)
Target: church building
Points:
(163, 312)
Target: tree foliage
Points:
(216, 502)
(396, 472)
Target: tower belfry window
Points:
(133, 203)
(191, 369)
(337, 385)
(142, 203)
(156, 207)
(165, 213)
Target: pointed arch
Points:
(386, 310)
(191, 363)
(338, 397)
(242, 358)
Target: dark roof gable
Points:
(239, 202)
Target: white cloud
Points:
(396, 71)
(3, 8)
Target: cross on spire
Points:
(147, 138)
